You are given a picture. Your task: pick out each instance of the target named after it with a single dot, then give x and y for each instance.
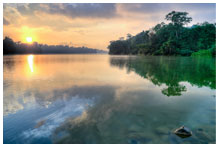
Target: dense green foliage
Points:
(171, 71)
(170, 39)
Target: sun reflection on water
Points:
(30, 62)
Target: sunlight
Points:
(29, 39)
(30, 62)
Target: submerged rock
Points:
(183, 132)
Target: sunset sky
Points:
(91, 25)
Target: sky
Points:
(91, 25)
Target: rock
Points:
(183, 132)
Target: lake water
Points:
(108, 99)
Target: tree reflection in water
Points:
(171, 71)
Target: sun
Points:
(29, 39)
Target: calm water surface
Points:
(108, 99)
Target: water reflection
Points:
(107, 99)
(171, 71)
(141, 116)
(30, 62)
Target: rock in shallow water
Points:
(183, 132)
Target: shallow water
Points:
(108, 99)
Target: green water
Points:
(108, 99)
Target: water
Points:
(108, 99)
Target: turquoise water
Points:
(108, 99)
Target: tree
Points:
(178, 18)
(129, 36)
(8, 46)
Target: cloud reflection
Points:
(71, 108)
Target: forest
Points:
(11, 47)
(174, 38)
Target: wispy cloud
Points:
(71, 10)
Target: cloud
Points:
(110, 10)
(5, 21)
(59, 17)
(157, 11)
(71, 10)
(161, 7)
(142, 8)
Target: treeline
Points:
(170, 39)
(11, 47)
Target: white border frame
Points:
(101, 1)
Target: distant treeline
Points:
(11, 47)
(170, 39)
